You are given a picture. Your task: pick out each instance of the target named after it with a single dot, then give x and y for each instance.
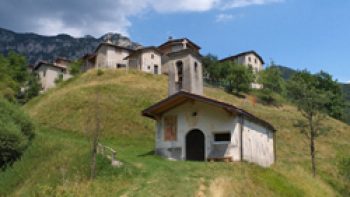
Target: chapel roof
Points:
(181, 97)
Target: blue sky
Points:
(311, 34)
(300, 34)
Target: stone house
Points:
(49, 72)
(190, 126)
(251, 59)
(147, 59)
(109, 55)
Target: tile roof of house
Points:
(180, 41)
(243, 54)
(143, 49)
(181, 97)
(112, 45)
(43, 62)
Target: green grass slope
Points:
(57, 162)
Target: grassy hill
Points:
(57, 163)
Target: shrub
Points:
(344, 167)
(16, 131)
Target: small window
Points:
(256, 61)
(195, 66)
(44, 73)
(152, 56)
(121, 65)
(249, 59)
(149, 67)
(222, 137)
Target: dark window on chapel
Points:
(222, 137)
(179, 68)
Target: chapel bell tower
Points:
(181, 61)
(185, 72)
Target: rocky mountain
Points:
(37, 47)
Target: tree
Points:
(33, 87)
(237, 78)
(16, 131)
(271, 79)
(335, 104)
(16, 83)
(310, 100)
(97, 130)
(75, 67)
(209, 63)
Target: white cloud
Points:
(224, 17)
(244, 3)
(96, 17)
(183, 5)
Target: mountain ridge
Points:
(40, 47)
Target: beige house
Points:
(146, 59)
(251, 59)
(190, 126)
(109, 55)
(49, 72)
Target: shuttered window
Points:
(170, 124)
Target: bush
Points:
(344, 168)
(268, 97)
(16, 131)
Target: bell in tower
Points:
(185, 72)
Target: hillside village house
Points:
(251, 59)
(49, 72)
(147, 59)
(109, 55)
(190, 126)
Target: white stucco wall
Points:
(258, 145)
(148, 63)
(47, 80)
(254, 61)
(109, 57)
(209, 120)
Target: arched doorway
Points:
(195, 145)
